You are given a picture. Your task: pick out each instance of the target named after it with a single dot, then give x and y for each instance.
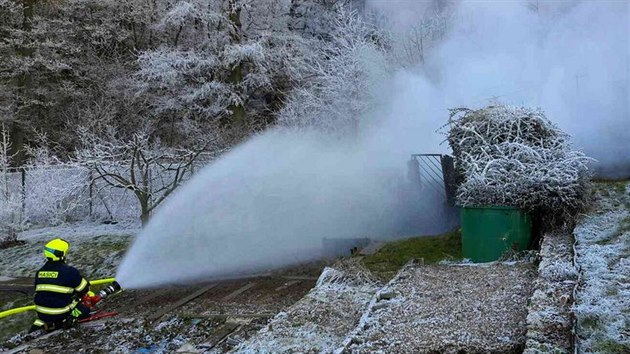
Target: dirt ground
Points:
(430, 309)
(221, 317)
(425, 309)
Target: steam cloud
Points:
(270, 202)
(571, 58)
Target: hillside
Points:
(423, 308)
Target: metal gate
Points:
(435, 171)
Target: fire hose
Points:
(89, 300)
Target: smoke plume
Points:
(571, 58)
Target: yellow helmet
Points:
(56, 250)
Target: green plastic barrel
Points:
(489, 232)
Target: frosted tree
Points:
(315, 18)
(56, 191)
(38, 70)
(11, 220)
(55, 55)
(140, 164)
(335, 83)
(16, 50)
(221, 63)
(198, 60)
(413, 45)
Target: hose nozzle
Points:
(112, 288)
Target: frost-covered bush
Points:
(56, 192)
(11, 220)
(515, 156)
(223, 61)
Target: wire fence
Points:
(57, 194)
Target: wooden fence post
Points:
(91, 176)
(23, 174)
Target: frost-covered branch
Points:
(335, 84)
(515, 156)
(140, 164)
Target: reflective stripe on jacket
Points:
(56, 311)
(58, 287)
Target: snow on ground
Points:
(96, 249)
(197, 324)
(79, 232)
(321, 319)
(603, 256)
(450, 309)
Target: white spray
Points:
(268, 204)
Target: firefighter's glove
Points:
(76, 313)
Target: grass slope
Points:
(431, 249)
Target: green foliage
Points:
(605, 186)
(611, 347)
(12, 325)
(431, 249)
(614, 191)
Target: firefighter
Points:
(58, 290)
